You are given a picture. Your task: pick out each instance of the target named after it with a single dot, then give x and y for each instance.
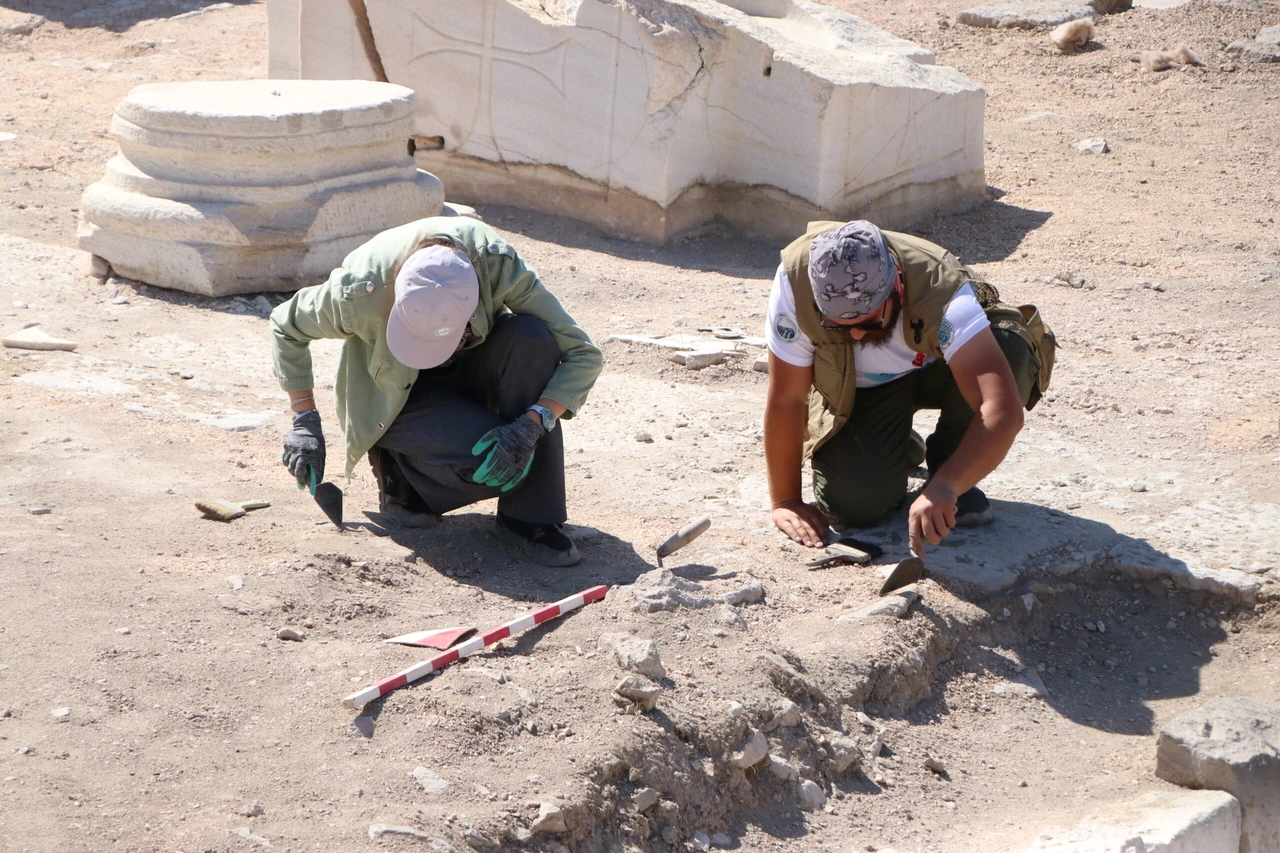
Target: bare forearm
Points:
(985, 444)
(783, 450)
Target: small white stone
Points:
(811, 796)
(61, 713)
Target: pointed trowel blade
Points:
(442, 639)
(906, 572)
(329, 499)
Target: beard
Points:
(880, 337)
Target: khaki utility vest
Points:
(930, 278)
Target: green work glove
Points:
(510, 453)
(304, 450)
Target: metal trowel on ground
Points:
(905, 573)
(329, 499)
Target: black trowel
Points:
(329, 499)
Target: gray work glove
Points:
(304, 450)
(510, 453)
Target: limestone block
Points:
(650, 118)
(1139, 559)
(235, 187)
(1026, 15)
(1230, 745)
(1159, 822)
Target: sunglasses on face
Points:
(864, 326)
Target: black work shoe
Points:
(396, 514)
(973, 509)
(915, 452)
(545, 543)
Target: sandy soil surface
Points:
(146, 702)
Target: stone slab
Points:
(1139, 559)
(650, 119)
(1025, 15)
(1160, 822)
(257, 185)
(1230, 745)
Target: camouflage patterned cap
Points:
(851, 270)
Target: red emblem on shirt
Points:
(918, 361)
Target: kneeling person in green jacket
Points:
(456, 370)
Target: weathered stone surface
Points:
(1161, 822)
(749, 754)
(1138, 559)
(633, 688)
(1025, 15)
(1230, 745)
(232, 187)
(636, 654)
(551, 818)
(1256, 50)
(662, 590)
(648, 119)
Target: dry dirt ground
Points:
(183, 723)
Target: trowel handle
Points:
(687, 534)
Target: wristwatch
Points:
(548, 416)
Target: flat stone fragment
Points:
(1096, 145)
(1230, 745)
(253, 185)
(895, 605)
(1025, 15)
(1029, 686)
(650, 119)
(431, 781)
(377, 830)
(33, 338)
(1159, 822)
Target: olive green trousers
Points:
(860, 473)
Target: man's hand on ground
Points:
(803, 522)
(304, 450)
(932, 516)
(509, 450)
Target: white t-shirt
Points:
(962, 319)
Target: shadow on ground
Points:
(991, 232)
(461, 548)
(116, 16)
(1102, 640)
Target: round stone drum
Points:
(252, 185)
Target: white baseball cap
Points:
(436, 293)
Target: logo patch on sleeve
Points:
(785, 328)
(945, 333)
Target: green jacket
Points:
(371, 385)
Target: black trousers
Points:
(860, 474)
(424, 459)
